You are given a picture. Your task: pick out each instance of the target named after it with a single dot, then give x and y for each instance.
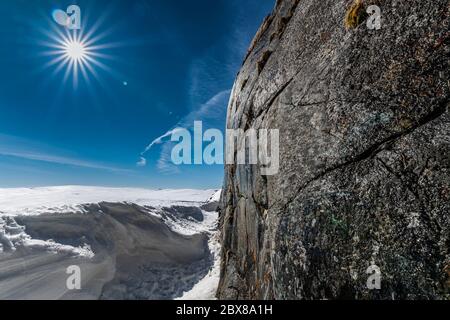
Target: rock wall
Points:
(364, 155)
(124, 252)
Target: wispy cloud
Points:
(142, 162)
(60, 160)
(11, 146)
(208, 74)
(212, 109)
(160, 139)
(164, 163)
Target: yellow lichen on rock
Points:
(353, 16)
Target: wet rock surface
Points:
(364, 155)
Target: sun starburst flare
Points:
(75, 50)
(76, 53)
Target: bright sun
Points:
(75, 50)
(78, 53)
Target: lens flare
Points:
(78, 53)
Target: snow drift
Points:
(128, 243)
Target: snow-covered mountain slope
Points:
(25, 201)
(215, 197)
(128, 243)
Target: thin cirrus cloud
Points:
(159, 140)
(164, 163)
(212, 109)
(207, 75)
(15, 147)
(60, 160)
(142, 162)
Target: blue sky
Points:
(158, 64)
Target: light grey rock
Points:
(364, 155)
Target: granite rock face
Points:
(364, 176)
